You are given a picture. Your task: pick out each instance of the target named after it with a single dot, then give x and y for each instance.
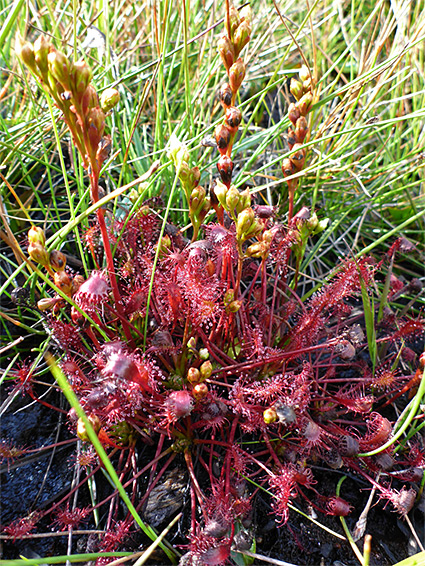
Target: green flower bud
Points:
(244, 201)
(39, 254)
(304, 73)
(244, 222)
(196, 200)
(59, 68)
(242, 36)
(296, 89)
(254, 250)
(236, 75)
(305, 103)
(229, 296)
(204, 354)
(200, 390)
(41, 51)
(81, 427)
(25, 52)
(206, 369)
(245, 14)
(232, 198)
(232, 20)
(270, 416)
(36, 235)
(220, 191)
(177, 151)
(109, 98)
(234, 306)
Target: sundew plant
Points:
(212, 271)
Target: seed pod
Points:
(345, 350)
(236, 75)
(96, 126)
(301, 129)
(233, 117)
(293, 113)
(292, 140)
(348, 446)
(232, 20)
(90, 99)
(47, 303)
(298, 158)
(81, 427)
(287, 167)
(77, 281)
(63, 282)
(57, 260)
(200, 390)
(225, 168)
(222, 137)
(225, 95)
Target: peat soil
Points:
(41, 479)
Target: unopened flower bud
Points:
(193, 375)
(220, 191)
(304, 73)
(269, 416)
(206, 369)
(81, 427)
(296, 89)
(232, 198)
(255, 250)
(41, 51)
(222, 137)
(38, 253)
(200, 390)
(196, 200)
(236, 75)
(234, 306)
(109, 98)
(229, 296)
(307, 85)
(90, 99)
(305, 103)
(225, 168)
(96, 126)
(245, 13)
(226, 51)
(47, 303)
(242, 36)
(63, 282)
(81, 77)
(232, 20)
(25, 52)
(59, 68)
(204, 354)
(244, 201)
(36, 235)
(244, 221)
(233, 117)
(57, 260)
(191, 343)
(293, 113)
(225, 95)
